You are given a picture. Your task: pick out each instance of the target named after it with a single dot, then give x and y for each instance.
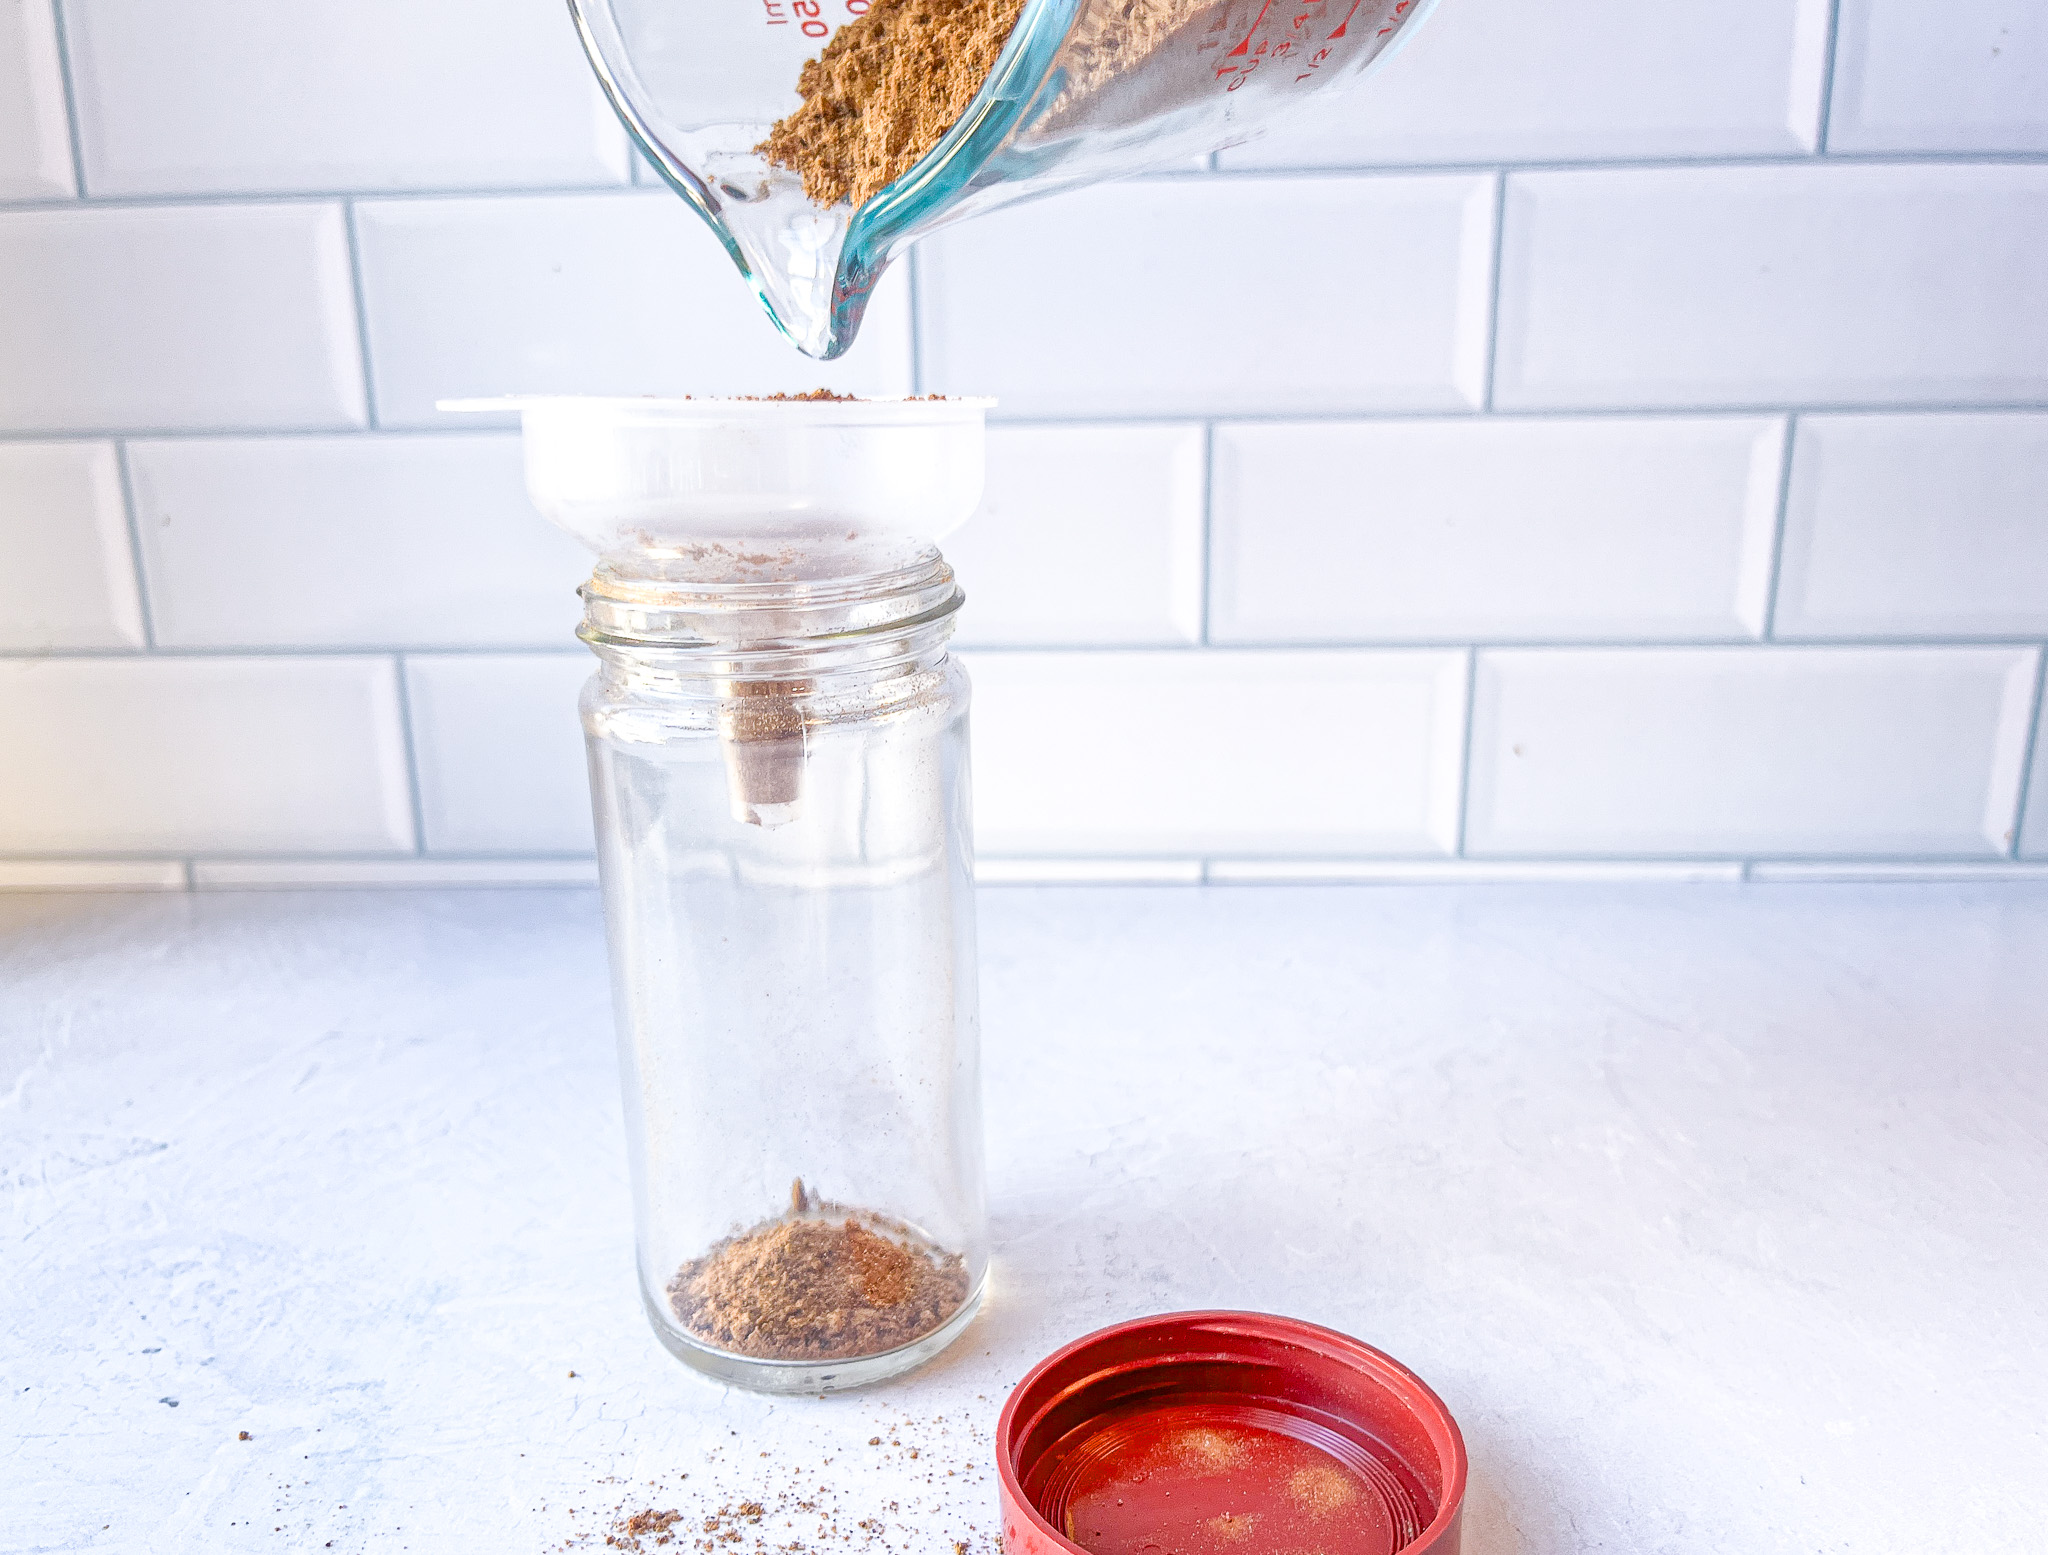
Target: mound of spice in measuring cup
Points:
(822, 1283)
(887, 87)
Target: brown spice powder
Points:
(886, 87)
(809, 1289)
(1113, 41)
(652, 1525)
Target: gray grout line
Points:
(459, 425)
(2031, 754)
(1827, 77)
(1357, 415)
(1208, 569)
(915, 272)
(1947, 643)
(1500, 227)
(301, 651)
(362, 307)
(142, 599)
(182, 200)
(471, 426)
(191, 875)
(1363, 647)
(1991, 865)
(1465, 753)
(71, 120)
(1790, 436)
(1615, 164)
(412, 764)
(1359, 171)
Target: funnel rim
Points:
(904, 408)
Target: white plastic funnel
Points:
(685, 499)
(752, 489)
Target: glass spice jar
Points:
(779, 772)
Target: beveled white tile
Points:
(67, 571)
(35, 134)
(1975, 81)
(500, 752)
(248, 97)
(1085, 535)
(1087, 871)
(178, 317)
(91, 875)
(624, 293)
(1651, 751)
(350, 542)
(1464, 872)
(1925, 526)
(227, 755)
(1217, 295)
(294, 874)
(1481, 529)
(1836, 284)
(1506, 81)
(1177, 753)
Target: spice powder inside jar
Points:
(825, 1282)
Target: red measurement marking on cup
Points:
(809, 15)
(1244, 47)
(1316, 60)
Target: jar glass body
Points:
(782, 800)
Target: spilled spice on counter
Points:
(927, 1491)
(885, 89)
(643, 1525)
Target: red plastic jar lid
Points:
(1227, 1433)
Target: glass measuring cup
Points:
(1083, 90)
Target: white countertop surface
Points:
(1719, 1216)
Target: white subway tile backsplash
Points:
(1085, 535)
(35, 134)
(1974, 77)
(1771, 425)
(1924, 526)
(500, 752)
(1215, 296)
(1507, 81)
(624, 293)
(1766, 285)
(246, 96)
(1731, 751)
(1481, 529)
(176, 318)
(242, 755)
(67, 570)
(1173, 754)
(424, 541)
